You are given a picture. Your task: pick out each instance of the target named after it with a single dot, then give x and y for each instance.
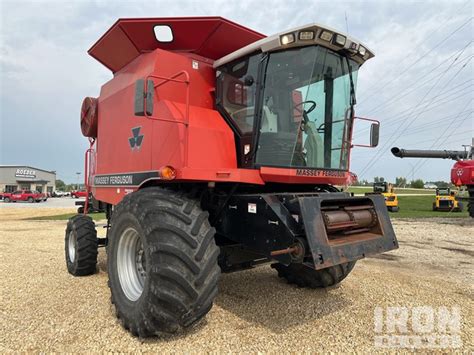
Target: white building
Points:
(21, 177)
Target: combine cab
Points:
(386, 189)
(445, 200)
(215, 148)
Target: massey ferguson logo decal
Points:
(319, 173)
(137, 139)
(459, 172)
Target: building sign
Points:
(25, 173)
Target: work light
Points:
(340, 40)
(287, 39)
(326, 35)
(306, 35)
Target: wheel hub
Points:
(71, 246)
(131, 267)
(140, 260)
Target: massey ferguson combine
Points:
(215, 148)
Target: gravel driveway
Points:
(43, 308)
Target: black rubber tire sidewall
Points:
(128, 307)
(88, 265)
(175, 295)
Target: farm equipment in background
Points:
(215, 148)
(386, 189)
(78, 193)
(445, 200)
(462, 172)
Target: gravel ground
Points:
(43, 308)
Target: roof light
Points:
(306, 35)
(362, 51)
(287, 39)
(340, 40)
(326, 35)
(167, 173)
(354, 46)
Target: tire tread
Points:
(304, 276)
(184, 275)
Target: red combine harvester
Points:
(215, 148)
(462, 172)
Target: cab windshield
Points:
(306, 109)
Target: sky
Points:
(419, 85)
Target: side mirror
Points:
(368, 124)
(143, 99)
(374, 134)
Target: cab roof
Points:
(209, 37)
(273, 43)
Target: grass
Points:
(421, 207)
(66, 216)
(410, 207)
(398, 190)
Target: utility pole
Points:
(78, 179)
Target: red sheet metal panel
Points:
(210, 37)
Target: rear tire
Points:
(162, 262)
(81, 245)
(470, 205)
(304, 276)
(31, 199)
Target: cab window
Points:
(238, 82)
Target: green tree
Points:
(443, 184)
(417, 184)
(400, 181)
(70, 187)
(60, 185)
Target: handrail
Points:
(87, 167)
(165, 80)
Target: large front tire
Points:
(81, 245)
(162, 262)
(304, 276)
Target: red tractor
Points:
(215, 148)
(462, 172)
